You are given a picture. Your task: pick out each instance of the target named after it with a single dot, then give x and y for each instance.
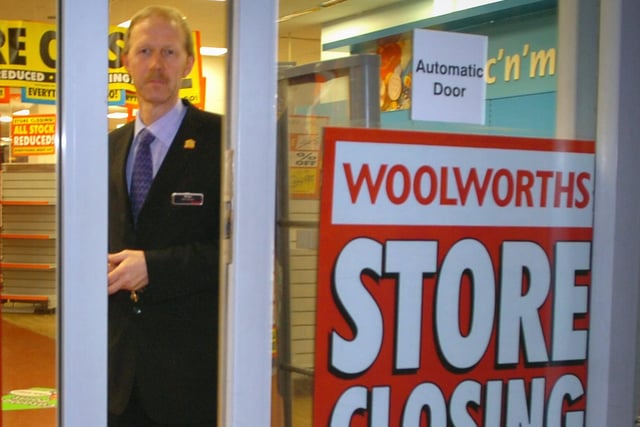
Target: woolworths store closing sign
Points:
(453, 280)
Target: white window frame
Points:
(82, 212)
(82, 178)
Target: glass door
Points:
(28, 214)
(539, 83)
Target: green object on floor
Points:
(31, 398)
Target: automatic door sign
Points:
(453, 280)
(448, 77)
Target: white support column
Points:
(82, 212)
(246, 353)
(616, 249)
(577, 69)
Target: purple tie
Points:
(142, 174)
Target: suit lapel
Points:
(120, 155)
(118, 167)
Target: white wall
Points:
(395, 15)
(214, 69)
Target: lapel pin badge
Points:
(190, 144)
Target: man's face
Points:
(157, 60)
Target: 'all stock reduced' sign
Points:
(453, 280)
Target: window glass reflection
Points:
(519, 76)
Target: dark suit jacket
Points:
(167, 342)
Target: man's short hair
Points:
(172, 15)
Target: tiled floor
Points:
(28, 366)
(46, 325)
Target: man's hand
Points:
(127, 271)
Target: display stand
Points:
(28, 237)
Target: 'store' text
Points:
(500, 307)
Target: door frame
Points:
(82, 177)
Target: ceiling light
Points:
(117, 115)
(212, 51)
(24, 112)
(329, 3)
(318, 7)
(296, 15)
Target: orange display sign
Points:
(5, 95)
(454, 274)
(33, 135)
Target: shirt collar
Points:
(166, 127)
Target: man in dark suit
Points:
(163, 247)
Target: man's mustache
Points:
(156, 77)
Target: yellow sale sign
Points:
(33, 135)
(28, 55)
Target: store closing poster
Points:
(453, 280)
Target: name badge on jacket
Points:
(187, 199)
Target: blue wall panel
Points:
(527, 115)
